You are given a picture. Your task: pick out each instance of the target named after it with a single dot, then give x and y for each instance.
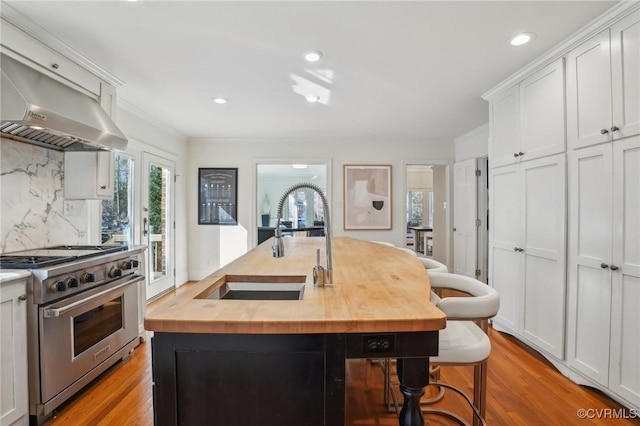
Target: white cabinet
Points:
(89, 175)
(25, 48)
(604, 266)
(603, 87)
(527, 121)
(14, 409)
(527, 250)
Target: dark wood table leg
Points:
(414, 378)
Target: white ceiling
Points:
(392, 70)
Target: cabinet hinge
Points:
(478, 222)
(478, 272)
(175, 178)
(174, 224)
(174, 272)
(478, 172)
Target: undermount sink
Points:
(256, 287)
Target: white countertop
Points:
(9, 275)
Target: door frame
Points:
(146, 159)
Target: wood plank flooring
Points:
(523, 389)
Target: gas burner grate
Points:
(31, 262)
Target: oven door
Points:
(79, 333)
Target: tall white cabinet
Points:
(604, 265)
(527, 250)
(565, 211)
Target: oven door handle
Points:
(56, 312)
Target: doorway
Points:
(158, 223)
(427, 198)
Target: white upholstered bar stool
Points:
(384, 243)
(433, 265)
(411, 252)
(464, 341)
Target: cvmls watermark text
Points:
(607, 413)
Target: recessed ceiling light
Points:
(521, 39)
(220, 100)
(313, 56)
(312, 98)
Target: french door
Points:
(158, 223)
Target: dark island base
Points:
(236, 379)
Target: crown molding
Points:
(484, 128)
(44, 37)
(132, 109)
(599, 24)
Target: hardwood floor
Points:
(523, 389)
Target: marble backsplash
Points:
(32, 213)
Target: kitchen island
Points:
(282, 362)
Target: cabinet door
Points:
(589, 92)
(590, 218)
(13, 355)
(88, 175)
(542, 112)
(625, 332)
(625, 67)
(544, 253)
(504, 139)
(105, 174)
(506, 222)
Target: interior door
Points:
(464, 218)
(158, 223)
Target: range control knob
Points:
(115, 272)
(72, 282)
(58, 286)
(87, 277)
(130, 264)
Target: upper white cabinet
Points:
(604, 266)
(89, 175)
(25, 48)
(504, 128)
(603, 87)
(14, 409)
(527, 120)
(527, 250)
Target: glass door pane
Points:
(157, 223)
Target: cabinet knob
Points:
(518, 249)
(22, 297)
(613, 267)
(604, 265)
(515, 154)
(103, 187)
(604, 131)
(55, 66)
(614, 129)
(521, 153)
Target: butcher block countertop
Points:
(375, 289)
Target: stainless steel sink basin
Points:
(256, 287)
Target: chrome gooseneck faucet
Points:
(278, 245)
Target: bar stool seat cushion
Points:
(462, 342)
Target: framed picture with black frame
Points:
(217, 196)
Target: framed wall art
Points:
(367, 197)
(217, 196)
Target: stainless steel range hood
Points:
(40, 110)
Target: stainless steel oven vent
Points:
(40, 110)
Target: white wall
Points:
(474, 144)
(210, 247)
(146, 135)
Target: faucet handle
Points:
(318, 275)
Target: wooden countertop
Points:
(375, 289)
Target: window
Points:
(117, 213)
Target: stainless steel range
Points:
(82, 316)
